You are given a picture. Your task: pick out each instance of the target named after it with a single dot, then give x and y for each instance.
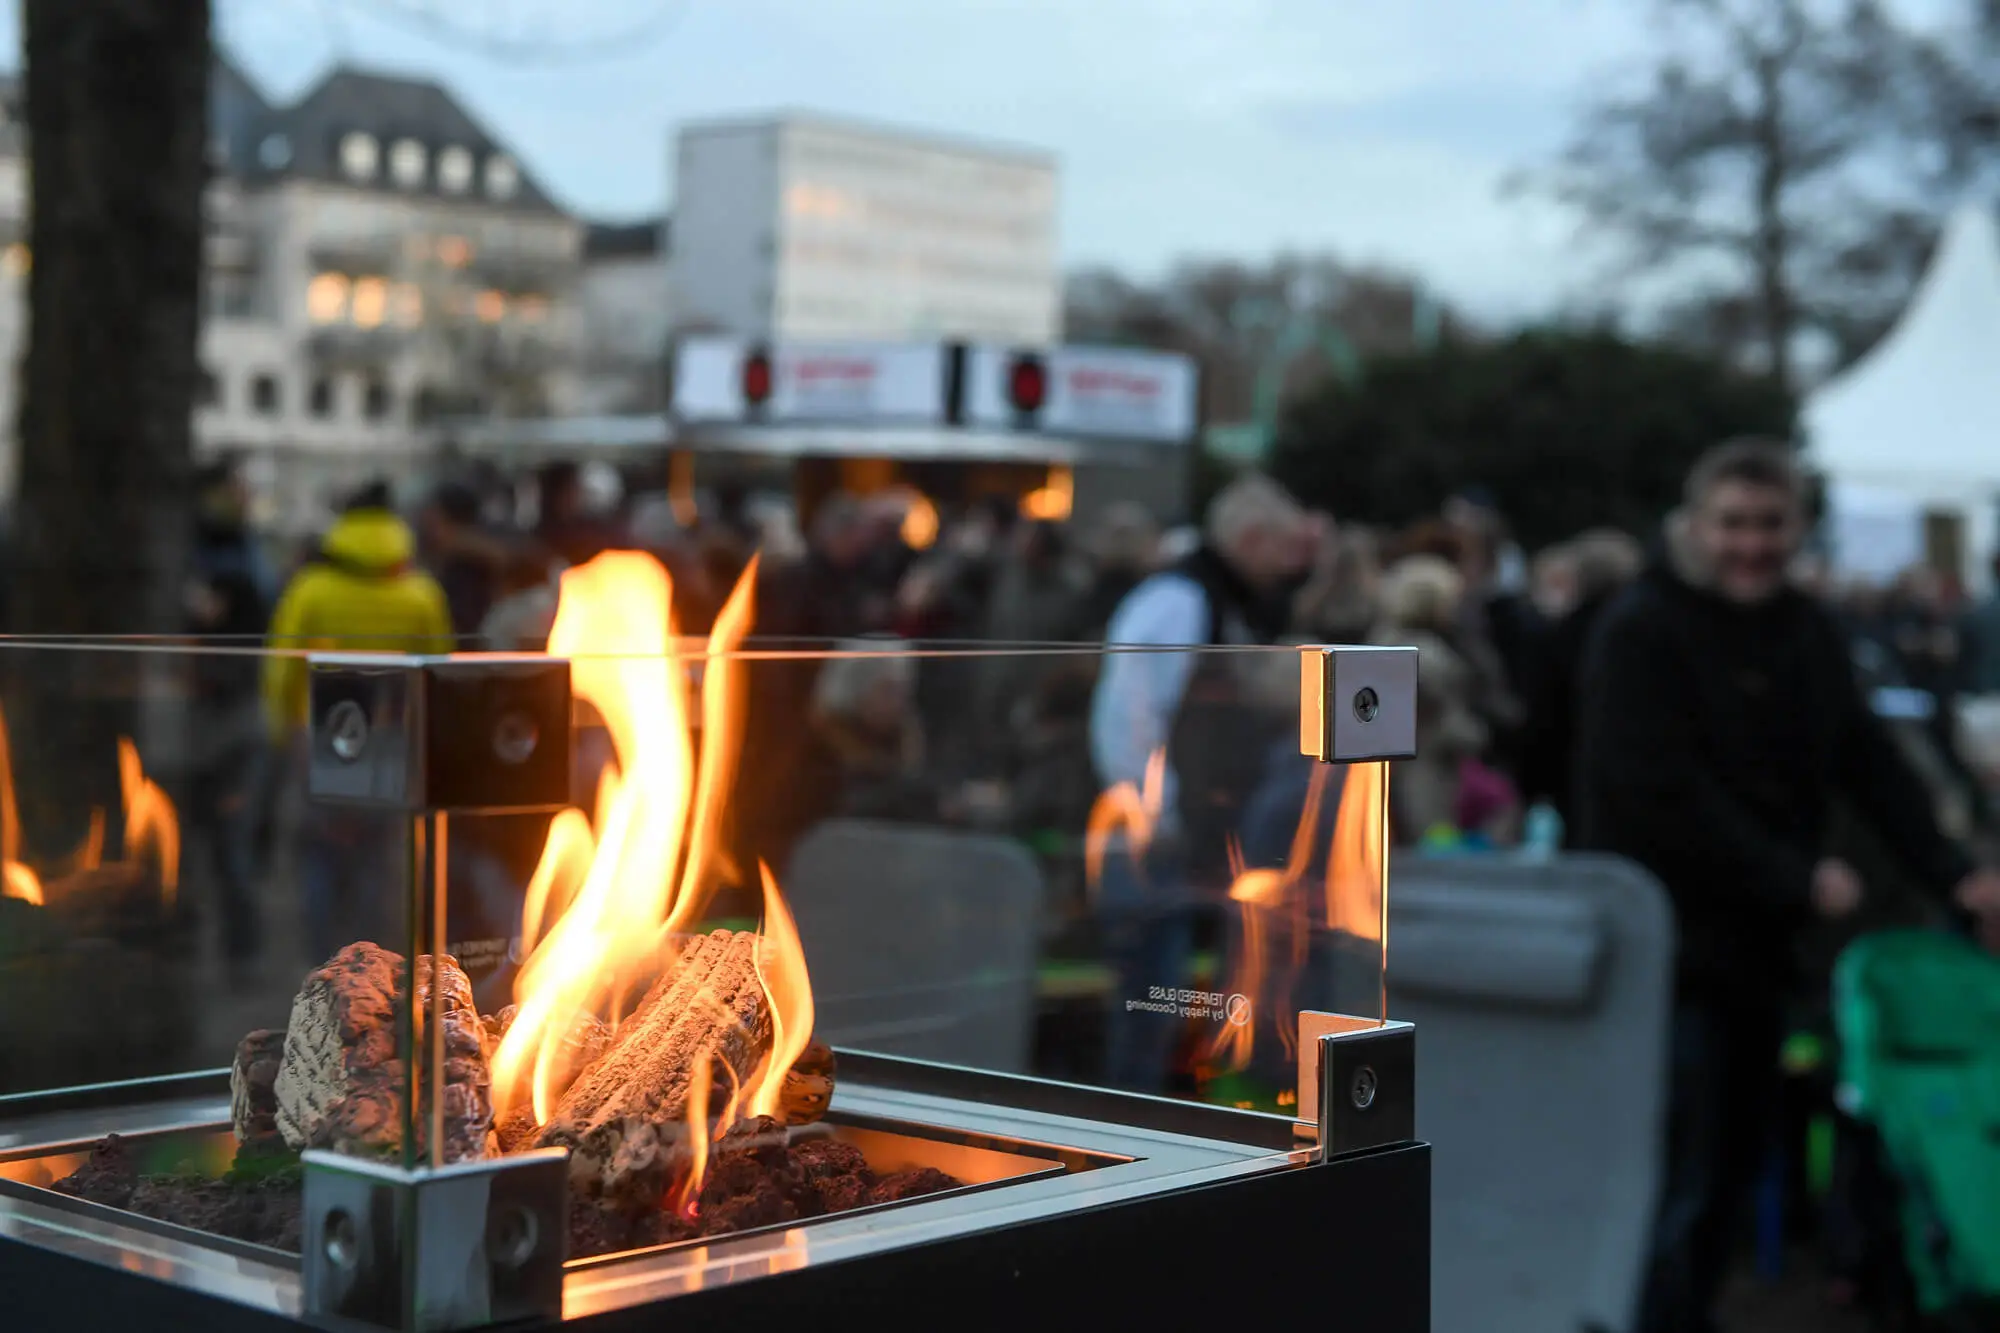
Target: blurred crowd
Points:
(1004, 741)
(1702, 700)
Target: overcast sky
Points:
(1379, 132)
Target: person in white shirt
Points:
(1258, 543)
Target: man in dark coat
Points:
(1718, 717)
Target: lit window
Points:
(454, 251)
(326, 298)
(455, 170)
(406, 163)
(811, 201)
(409, 301)
(371, 302)
(503, 178)
(532, 309)
(274, 152)
(360, 156)
(491, 307)
(15, 260)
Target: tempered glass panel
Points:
(1106, 866)
(1109, 867)
(167, 888)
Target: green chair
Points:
(1918, 1015)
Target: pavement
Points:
(1801, 1300)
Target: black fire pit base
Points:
(1118, 1212)
(1337, 1246)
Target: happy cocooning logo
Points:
(1211, 1006)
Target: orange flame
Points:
(151, 825)
(89, 854)
(781, 970)
(565, 861)
(1123, 808)
(612, 622)
(612, 893)
(1354, 868)
(700, 1132)
(1266, 894)
(16, 879)
(722, 715)
(689, 1194)
(149, 820)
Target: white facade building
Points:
(377, 263)
(625, 305)
(800, 227)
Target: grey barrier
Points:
(1542, 994)
(922, 942)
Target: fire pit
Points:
(630, 1094)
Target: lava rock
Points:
(754, 1180)
(107, 1176)
(253, 1094)
(910, 1185)
(262, 1213)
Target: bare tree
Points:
(1767, 160)
(1237, 318)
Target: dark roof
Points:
(625, 240)
(237, 110)
(388, 107)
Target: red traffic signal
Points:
(757, 378)
(1027, 384)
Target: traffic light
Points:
(757, 378)
(1027, 386)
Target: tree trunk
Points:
(117, 111)
(117, 117)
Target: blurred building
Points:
(378, 262)
(801, 227)
(13, 267)
(625, 306)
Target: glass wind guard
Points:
(1105, 867)
(1036, 860)
(172, 901)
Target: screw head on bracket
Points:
(1366, 704)
(514, 737)
(347, 731)
(1362, 1091)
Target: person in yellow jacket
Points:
(363, 594)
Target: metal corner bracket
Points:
(1357, 1083)
(445, 1248)
(1357, 704)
